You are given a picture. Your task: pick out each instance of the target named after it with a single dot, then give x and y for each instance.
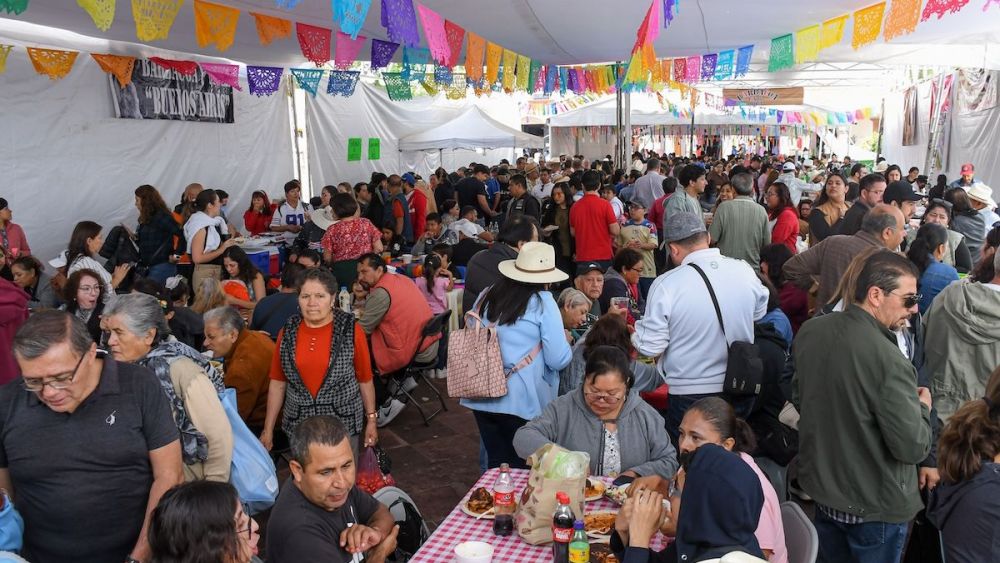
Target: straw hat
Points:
(323, 218)
(536, 263)
(982, 193)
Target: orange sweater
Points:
(312, 364)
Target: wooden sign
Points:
(763, 96)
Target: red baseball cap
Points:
(968, 168)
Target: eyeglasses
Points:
(90, 288)
(637, 269)
(246, 514)
(604, 397)
(909, 300)
(59, 382)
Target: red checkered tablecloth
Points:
(459, 527)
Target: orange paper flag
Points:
(902, 19)
(214, 23)
(867, 25)
(493, 54)
(121, 67)
(51, 62)
(270, 28)
(474, 57)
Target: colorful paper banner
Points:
(400, 21)
(347, 49)
(53, 63)
(782, 55)
(271, 29)
(101, 11)
(454, 35)
(314, 42)
(414, 61)
(494, 53)
(670, 9)
(308, 79)
(509, 70)
(154, 18)
(708, 64)
(867, 25)
(342, 82)
(264, 80)
(832, 32)
(4, 52)
(215, 23)
(350, 15)
(14, 6)
(474, 53)
(225, 74)
(942, 7)
(437, 41)
(743, 57)
(904, 15)
(724, 66)
(382, 53)
(396, 86)
(184, 68)
(118, 66)
(807, 44)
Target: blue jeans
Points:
(497, 433)
(869, 542)
(161, 272)
(677, 405)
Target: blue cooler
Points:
(262, 260)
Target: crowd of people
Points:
(678, 321)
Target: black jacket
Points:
(968, 515)
(482, 272)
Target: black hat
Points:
(900, 191)
(584, 269)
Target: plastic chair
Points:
(418, 370)
(389, 497)
(801, 538)
(776, 474)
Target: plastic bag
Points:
(252, 473)
(370, 477)
(553, 469)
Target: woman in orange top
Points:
(322, 366)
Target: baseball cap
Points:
(682, 225)
(808, 163)
(968, 168)
(900, 191)
(584, 269)
(59, 261)
(409, 179)
(636, 205)
(788, 166)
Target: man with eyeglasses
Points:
(87, 446)
(865, 424)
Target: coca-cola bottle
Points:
(562, 529)
(503, 502)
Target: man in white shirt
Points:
(543, 186)
(292, 215)
(681, 327)
(649, 188)
(795, 186)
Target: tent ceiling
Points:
(584, 31)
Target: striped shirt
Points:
(739, 229)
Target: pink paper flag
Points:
(692, 71)
(434, 31)
(223, 74)
(347, 49)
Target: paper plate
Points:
(466, 510)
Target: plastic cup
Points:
(407, 258)
(619, 302)
(473, 552)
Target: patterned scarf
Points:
(194, 444)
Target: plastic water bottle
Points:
(344, 299)
(562, 529)
(503, 503)
(579, 548)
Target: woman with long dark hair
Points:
(926, 252)
(85, 295)
(530, 332)
(937, 192)
(257, 217)
(828, 211)
(204, 232)
(239, 267)
(30, 276)
(984, 272)
(556, 214)
(202, 522)
(84, 244)
(158, 234)
(956, 251)
(782, 218)
(793, 301)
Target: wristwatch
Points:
(372, 415)
(131, 559)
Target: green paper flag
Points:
(374, 149)
(354, 149)
(782, 53)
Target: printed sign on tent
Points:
(763, 96)
(156, 92)
(374, 149)
(354, 149)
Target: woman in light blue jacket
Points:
(530, 331)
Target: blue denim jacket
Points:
(936, 277)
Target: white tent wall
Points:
(369, 113)
(64, 157)
(973, 138)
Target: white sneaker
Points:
(409, 384)
(389, 411)
(441, 373)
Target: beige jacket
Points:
(203, 406)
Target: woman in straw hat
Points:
(530, 331)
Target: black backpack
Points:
(412, 532)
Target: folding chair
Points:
(801, 538)
(418, 370)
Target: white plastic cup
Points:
(473, 552)
(407, 258)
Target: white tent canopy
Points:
(472, 129)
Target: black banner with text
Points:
(161, 93)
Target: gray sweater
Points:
(567, 421)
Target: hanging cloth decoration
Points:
(867, 25)
(101, 11)
(397, 87)
(350, 14)
(509, 69)
(782, 55)
(412, 57)
(533, 76)
(153, 18)
(434, 32)
(287, 4)
(264, 80)
(724, 66)
(550, 80)
(400, 21)
(807, 44)
(708, 64)
(223, 74)
(270, 28)
(743, 60)
(4, 52)
(942, 7)
(342, 82)
(347, 49)
(494, 53)
(832, 32)
(670, 9)
(314, 42)
(119, 66)
(184, 68)
(680, 70)
(563, 80)
(474, 57)
(14, 6)
(51, 62)
(904, 15)
(214, 23)
(454, 34)
(308, 78)
(382, 52)
(692, 69)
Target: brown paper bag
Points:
(553, 469)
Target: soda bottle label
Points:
(562, 535)
(503, 499)
(579, 554)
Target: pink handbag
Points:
(475, 367)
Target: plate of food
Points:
(480, 504)
(601, 553)
(594, 490)
(599, 524)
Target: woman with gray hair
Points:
(139, 334)
(573, 306)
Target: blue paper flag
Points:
(342, 82)
(350, 14)
(308, 78)
(743, 60)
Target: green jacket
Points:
(863, 430)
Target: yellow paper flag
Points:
(4, 51)
(832, 32)
(509, 69)
(902, 19)
(523, 71)
(153, 18)
(867, 25)
(493, 54)
(101, 11)
(214, 23)
(807, 44)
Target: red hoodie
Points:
(13, 313)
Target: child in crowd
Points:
(449, 213)
(447, 252)
(435, 283)
(360, 296)
(608, 193)
(638, 233)
(391, 242)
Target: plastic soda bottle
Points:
(579, 548)
(562, 529)
(503, 502)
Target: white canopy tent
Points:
(472, 129)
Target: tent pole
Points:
(295, 136)
(692, 129)
(881, 123)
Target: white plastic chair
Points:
(801, 538)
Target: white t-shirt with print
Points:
(285, 215)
